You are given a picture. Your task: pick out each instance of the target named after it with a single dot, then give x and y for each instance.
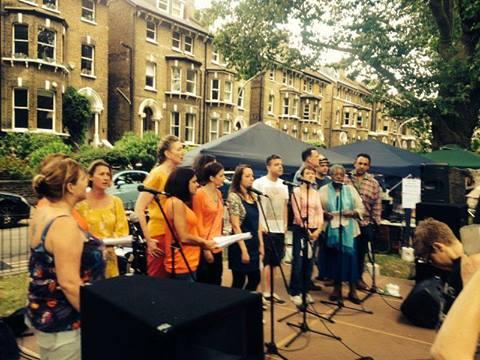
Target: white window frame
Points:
(163, 5)
(346, 118)
(285, 77)
(151, 32)
(271, 103)
(190, 127)
(46, 6)
(271, 74)
(176, 80)
(39, 43)
(227, 91)
(295, 107)
(306, 111)
(213, 133)
(17, 40)
(178, 8)
(240, 97)
(286, 106)
(84, 71)
(151, 73)
(290, 78)
(215, 57)
(87, 10)
(188, 45)
(227, 129)
(192, 83)
(359, 120)
(176, 40)
(175, 128)
(19, 107)
(315, 111)
(216, 90)
(52, 111)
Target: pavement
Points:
(383, 334)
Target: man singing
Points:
(275, 207)
(369, 191)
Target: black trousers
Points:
(211, 273)
(252, 278)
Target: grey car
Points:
(124, 185)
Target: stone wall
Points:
(19, 187)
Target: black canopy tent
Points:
(254, 144)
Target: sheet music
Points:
(224, 241)
(411, 193)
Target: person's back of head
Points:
(178, 182)
(428, 232)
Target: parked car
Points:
(124, 185)
(13, 208)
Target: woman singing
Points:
(169, 156)
(343, 202)
(104, 213)
(182, 185)
(208, 206)
(244, 256)
(62, 259)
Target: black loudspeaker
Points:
(454, 215)
(442, 184)
(139, 317)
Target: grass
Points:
(393, 266)
(13, 293)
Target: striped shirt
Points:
(369, 191)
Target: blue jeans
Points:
(298, 279)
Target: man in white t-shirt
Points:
(276, 213)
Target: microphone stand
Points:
(339, 304)
(272, 348)
(303, 326)
(176, 244)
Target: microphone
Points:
(305, 181)
(143, 188)
(289, 183)
(258, 192)
(337, 185)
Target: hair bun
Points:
(39, 185)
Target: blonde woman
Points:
(104, 213)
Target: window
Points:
(87, 60)
(346, 118)
(213, 129)
(308, 85)
(286, 104)
(191, 81)
(285, 76)
(227, 127)
(175, 124)
(20, 40)
(215, 57)
(188, 44)
(315, 112)
(176, 80)
(45, 110)
(359, 120)
(215, 90)
(271, 103)
(190, 128)
(178, 7)
(50, 4)
(162, 5)
(88, 10)
(46, 45)
(228, 92)
(240, 97)
(151, 31)
(290, 79)
(295, 107)
(385, 126)
(176, 40)
(306, 111)
(20, 108)
(271, 74)
(150, 75)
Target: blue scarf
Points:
(333, 205)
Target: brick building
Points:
(48, 45)
(165, 76)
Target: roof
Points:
(455, 156)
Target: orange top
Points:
(209, 214)
(192, 252)
(156, 180)
(82, 223)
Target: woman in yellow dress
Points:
(104, 213)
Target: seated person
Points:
(436, 244)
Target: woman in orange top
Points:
(182, 185)
(208, 206)
(169, 156)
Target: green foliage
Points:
(140, 152)
(114, 157)
(21, 145)
(76, 115)
(13, 168)
(38, 155)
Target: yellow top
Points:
(105, 222)
(156, 180)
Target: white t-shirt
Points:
(274, 207)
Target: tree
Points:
(76, 115)
(425, 53)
